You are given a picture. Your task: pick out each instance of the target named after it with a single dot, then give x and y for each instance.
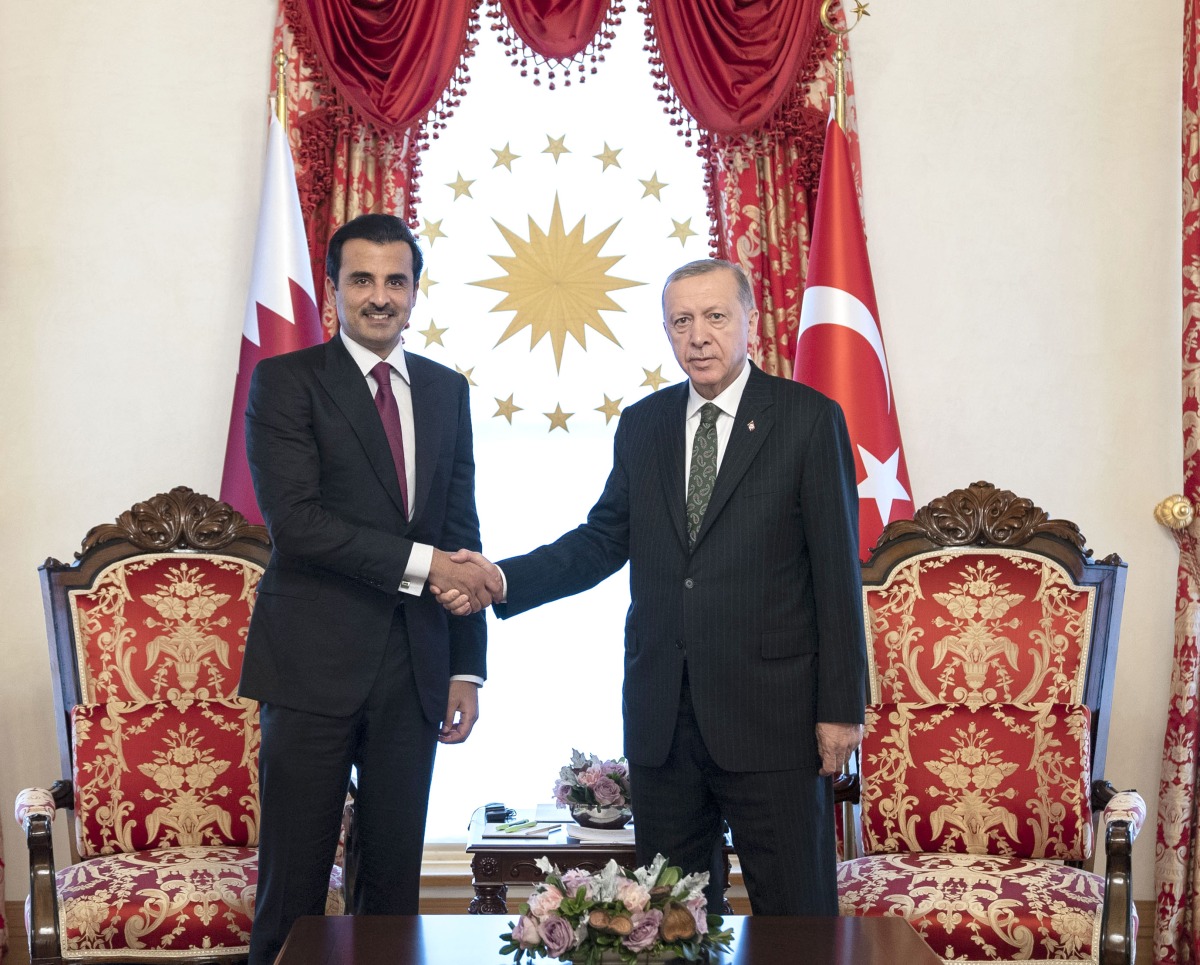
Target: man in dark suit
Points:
(733, 498)
(363, 468)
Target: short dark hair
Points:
(380, 229)
(703, 267)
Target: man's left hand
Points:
(835, 743)
(462, 710)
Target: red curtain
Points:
(556, 29)
(392, 62)
(1177, 860)
(732, 64)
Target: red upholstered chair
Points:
(159, 755)
(992, 643)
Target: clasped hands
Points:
(465, 581)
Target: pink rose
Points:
(575, 879)
(545, 901)
(590, 776)
(699, 909)
(562, 794)
(645, 930)
(633, 896)
(558, 935)
(607, 792)
(614, 769)
(525, 932)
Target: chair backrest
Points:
(992, 649)
(147, 628)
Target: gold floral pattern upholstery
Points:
(164, 628)
(158, 775)
(981, 909)
(978, 627)
(1007, 779)
(991, 645)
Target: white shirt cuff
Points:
(417, 572)
(477, 681)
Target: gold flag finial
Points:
(280, 89)
(839, 58)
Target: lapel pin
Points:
(750, 425)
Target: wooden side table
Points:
(497, 863)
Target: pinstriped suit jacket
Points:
(766, 608)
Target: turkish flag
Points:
(839, 345)
(281, 312)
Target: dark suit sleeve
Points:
(580, 559)
(468, 635)
(285, 465)
(829, 502)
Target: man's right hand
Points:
(464, 582)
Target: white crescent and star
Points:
(824, 305)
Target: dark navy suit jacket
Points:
(327, 487)
(766, 608)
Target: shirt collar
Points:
(366, 360)
(727, 401)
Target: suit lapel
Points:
(751, 426)
(348, 388)
(427, 422)
(672, 464)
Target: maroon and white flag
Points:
(839, 345)
(281, 312)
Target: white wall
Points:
(1022, 189)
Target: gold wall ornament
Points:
(1175, 512)
(280, 88)
(839, 58)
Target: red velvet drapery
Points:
(732, 64)
(369, 80)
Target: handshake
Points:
(465, 582)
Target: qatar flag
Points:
(281, 312)
(839, 345)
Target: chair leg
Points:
(1116, 923)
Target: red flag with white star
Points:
(839, 345)
(281, 312)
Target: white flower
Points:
(545, 867)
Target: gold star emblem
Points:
(466, 374)
(653, 186)
(432, 231)
(683, 231)
(860, 9)
(461, 186)
(504, 157)
(433, 334)
(556, 147)
(654, 379)
(506, 409)
(608, 157)
(558, 418)
(611, 408)
(427, 283)
(557, 283)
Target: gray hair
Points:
(705, 266)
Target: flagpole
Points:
(280, 89)
(839, 57)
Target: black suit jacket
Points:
(327, 487)
(766, 608)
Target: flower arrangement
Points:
(589, 918)
(591, 782)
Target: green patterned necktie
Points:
(702, 472)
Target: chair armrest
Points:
(35, 807)
(1124, 815)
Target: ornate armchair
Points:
(992, 643)
(159, 755)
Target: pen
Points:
(539, 830)
(516, 826)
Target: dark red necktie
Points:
(389, 415)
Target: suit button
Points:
(689, 582)
(678, 644)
